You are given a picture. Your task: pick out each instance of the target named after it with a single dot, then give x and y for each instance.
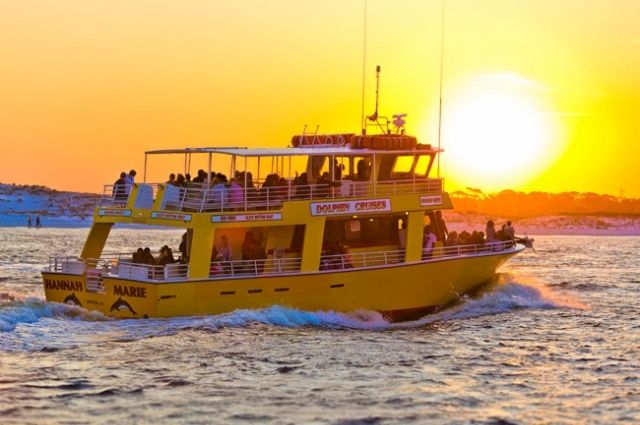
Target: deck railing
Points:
(199, 198)
(273, 266)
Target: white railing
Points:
(262, 267)
(150, 272)
(465, 250)
(273, 266)
(224, 198)
(117, 196)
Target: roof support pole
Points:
(209, 171)
(374, 174)
(246, 191)
(144, 174)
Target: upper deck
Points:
(318, 178)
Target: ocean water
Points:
(555, 339)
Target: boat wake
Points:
(18, 317)
(15, 310)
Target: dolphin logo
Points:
(72, 299)
(121, 304)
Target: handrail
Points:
(274, 266)
(224, 198)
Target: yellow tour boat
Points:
(333, 222)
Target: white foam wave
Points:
(31, 310)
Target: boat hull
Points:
(400, 292)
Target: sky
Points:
(537, 95)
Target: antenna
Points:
(374, 117)
(441, 78)
(363, 124)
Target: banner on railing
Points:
(171, 216)
(350, 207)
(246, 217)
(429, 200)
(102, 212)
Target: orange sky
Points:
(539, 95)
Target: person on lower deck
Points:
(442, 233)
(253, 251)
(429, 242)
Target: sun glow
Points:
(498, 133)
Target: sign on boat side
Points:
(350, 207)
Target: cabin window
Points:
(403, 164)
(362, 231)
(422, 165)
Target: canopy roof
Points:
(300, 151)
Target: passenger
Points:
(302, 186)
(510, 232)
(166, 256)
(363, 169)
(323, 185)
(138, 256)
(452, 240)
(184, 256)
(119, 191)
(236, 194)
(201, 177)
(224, 249)
(129, 181)
(429, 242)
(491, 231)
(29, 221)
(220, 192)
(337, 170)
(442, 233)
(248, 246)
(172, 179)
(38, 222)
(253, 251)
(147, 257)
(250, 191)
(500, 234)
(181, 181)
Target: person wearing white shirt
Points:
(429, 242)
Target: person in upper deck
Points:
(301, 183)
(187, 178)
(129, 181)
(337, 170)
(220, 193)
(200, 177)
(119, 192)
(236, 194)
(442, 233)
(491, 231)
(181, 181)
(172, 179)
(323, 184)
(429, 242)
(364, 170)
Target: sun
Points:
(497, 134)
